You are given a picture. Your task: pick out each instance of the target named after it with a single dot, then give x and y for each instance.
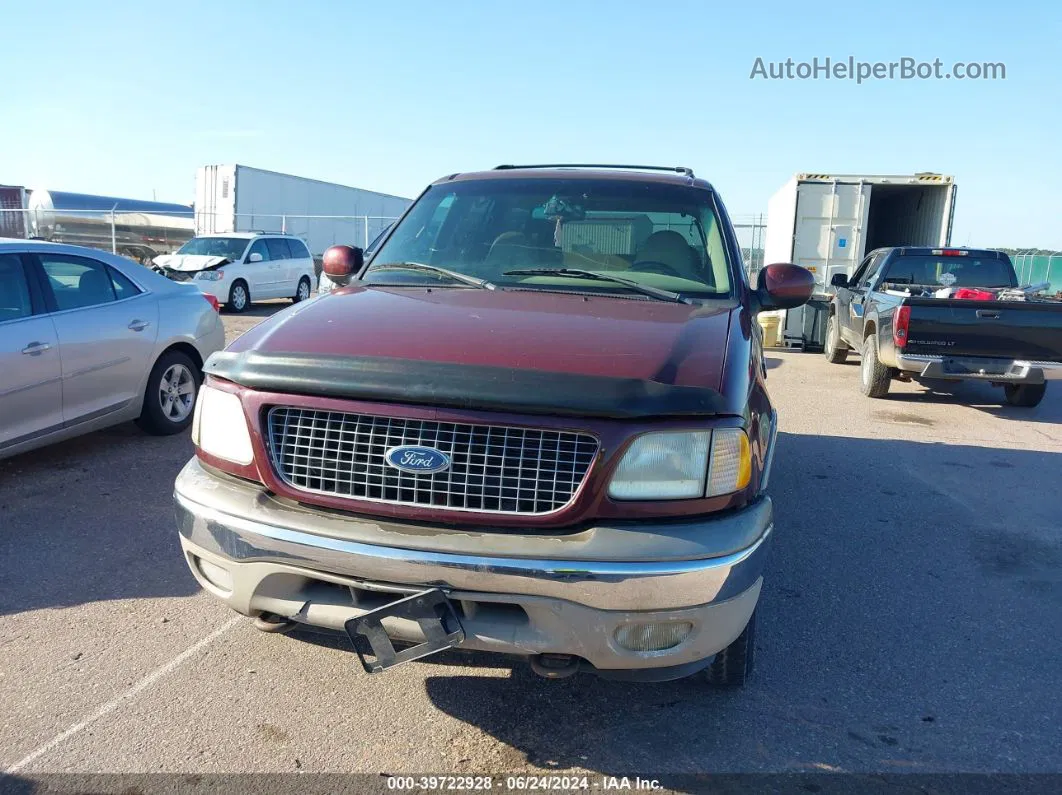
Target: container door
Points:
(830, 221)
(948, 217)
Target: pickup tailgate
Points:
(1029, 330)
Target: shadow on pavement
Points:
(91, 519)
(987, 398)
(909, 623)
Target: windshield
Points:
(966, 271)
(230, 247)
(663, 236)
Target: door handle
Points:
(36, 348)
(988, 314)
(138, 325)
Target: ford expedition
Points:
(533, 422)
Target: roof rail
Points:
(677, 169)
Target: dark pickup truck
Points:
(945, 314)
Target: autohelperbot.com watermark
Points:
(863, 71)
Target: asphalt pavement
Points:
(910, 621)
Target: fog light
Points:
(214, 574)
(653, 637)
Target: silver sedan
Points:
(89, 339)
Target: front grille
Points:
(493, 468)
(177, 276)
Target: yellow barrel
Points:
(770, 325)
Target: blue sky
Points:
(128, 98)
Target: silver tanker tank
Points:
(137, 229)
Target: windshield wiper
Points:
(575, 273)
(464, 278)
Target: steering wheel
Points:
(661, 267)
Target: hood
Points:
(189, 262)
(526, 330)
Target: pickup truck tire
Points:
(834, 349)
(1024, 395)
(874, 377)
(733, 665)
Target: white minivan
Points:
(240, 267)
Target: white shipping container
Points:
(827, 222)
(235, 198)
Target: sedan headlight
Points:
(210, 276)
(219, 427)
(683, 465)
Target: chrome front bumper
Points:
(564, 594)
(976, 368)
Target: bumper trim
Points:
(607, 585)
(976, 368)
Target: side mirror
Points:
(839, 280)
(255, 257)
(782, 286)
(340, 263)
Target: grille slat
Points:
(493, 468)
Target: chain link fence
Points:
(751, 232)
(1035, 266)
(143, 236)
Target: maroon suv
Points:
(534, 422)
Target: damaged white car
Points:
(238, 267)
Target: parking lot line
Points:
(126, 695)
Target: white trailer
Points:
(235, 198)
(828, 222)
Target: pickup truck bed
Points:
(889, 314)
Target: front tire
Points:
(239, 297)
(169, 401)
(835, 350)
(732, 667)
(1024, 395)
(874, 377)
(302, 292)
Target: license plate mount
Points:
(432, 611)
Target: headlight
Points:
(219, 427)
(683, 465)
(731, 464)
(210, 276)
(663, 466)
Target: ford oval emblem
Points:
(417, 460)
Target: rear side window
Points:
(77, 282)
(298, 249)
(123, 288)
(14, 289)
(278, 248)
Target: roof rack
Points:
(677, 169)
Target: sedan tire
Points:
(169, 401)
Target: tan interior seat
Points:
(668, 248)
